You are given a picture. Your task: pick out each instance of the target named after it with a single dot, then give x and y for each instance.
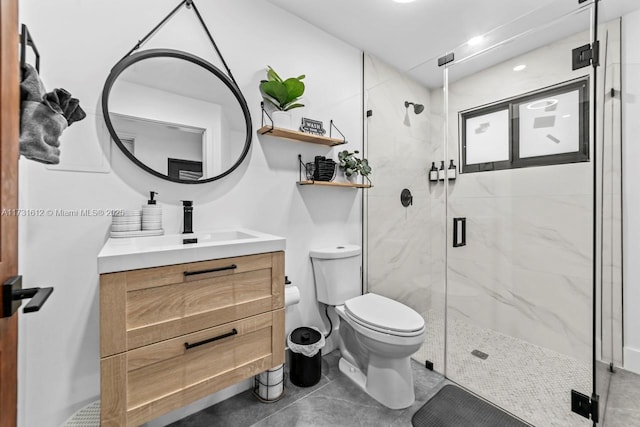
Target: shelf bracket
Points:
(333, 126)
(264, 113)
(300, 167)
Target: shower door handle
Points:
(459, 232)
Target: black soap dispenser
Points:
(433, 172)
(152, 214)
(441, 172)
(452, 171)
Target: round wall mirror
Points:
(177, 116)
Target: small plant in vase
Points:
(283, 94)
(352, 165)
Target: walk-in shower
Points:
(510, 301)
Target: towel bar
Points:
(27, 40)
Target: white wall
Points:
(630, 193)
(59, 346)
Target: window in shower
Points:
(546, 127)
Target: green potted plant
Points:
(352, 165)
(283, 94)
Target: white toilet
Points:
(377, 335)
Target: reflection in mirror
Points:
(156, 144)
(177, 118)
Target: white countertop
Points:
(132, 253)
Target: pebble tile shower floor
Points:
(532, 382)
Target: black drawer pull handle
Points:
(233, 332)
(212, 270)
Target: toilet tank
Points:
(336, 272)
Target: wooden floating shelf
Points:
(300, 136)
(335, 184)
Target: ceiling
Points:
(411, 36)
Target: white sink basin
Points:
(121, 254)
(170, 240)
(224, 235)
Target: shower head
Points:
(417, 108)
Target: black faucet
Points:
(187, 205)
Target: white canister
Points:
(281, 119)
(151, 214)
(271, 384)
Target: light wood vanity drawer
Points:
(163, 376)
(194, 271)
(155, 304)
(232, 308)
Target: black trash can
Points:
(306, 358)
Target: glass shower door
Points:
(519, 216)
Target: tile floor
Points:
(623, 402)
(334, 401)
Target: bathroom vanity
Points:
(172, 333)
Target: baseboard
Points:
(632, 359)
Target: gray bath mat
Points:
(455, 407)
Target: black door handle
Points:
(461, 224)
(38, 297)
(13, 294)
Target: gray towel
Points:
(43, 118)
(31, 87)
(61, 102)
(40, 128)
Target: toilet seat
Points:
(384, 315)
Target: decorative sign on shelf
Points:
(312, 126)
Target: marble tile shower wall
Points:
(399, 149)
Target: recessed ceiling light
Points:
(519, 67)
(404, 1)
(475, 40)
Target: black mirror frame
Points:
(170, 53)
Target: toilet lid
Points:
(383, 313)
